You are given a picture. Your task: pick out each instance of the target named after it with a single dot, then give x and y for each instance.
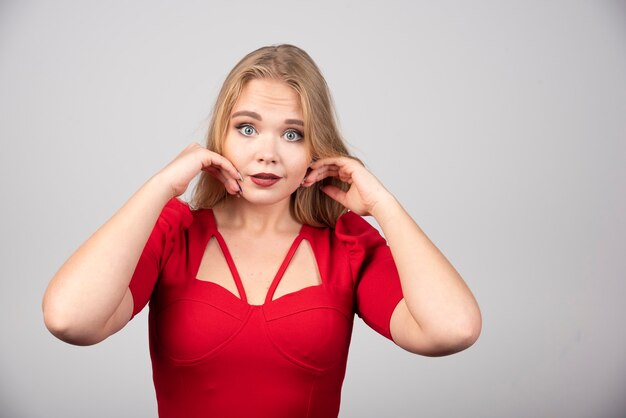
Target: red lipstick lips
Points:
(264, 179)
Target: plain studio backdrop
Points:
(499, 125)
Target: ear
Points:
(308, 170)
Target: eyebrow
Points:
(246, 113)
(256, 116)
(294, 122)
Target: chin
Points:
(263, 198)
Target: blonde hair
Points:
(295, 67)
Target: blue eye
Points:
(292, 135)
(246, 129)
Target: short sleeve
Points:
(173, 220)
(378, 288)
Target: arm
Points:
(88, 299)
(438, 314)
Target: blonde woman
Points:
(253, 286)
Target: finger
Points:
(224, 177)
(233, 182)
(337, 161)
(324, 172)
(231, 176)
(215, 172)
(326, 161)
(219, 161)
(345, 166)
(228, 168)
(320, 174)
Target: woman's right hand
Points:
(89, 298)
(194, 159)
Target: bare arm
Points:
(438, 314)
(88, 299)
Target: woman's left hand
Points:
(365, 191)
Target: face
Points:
(265, 141)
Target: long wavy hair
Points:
(295, 67)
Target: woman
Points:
(253, 293)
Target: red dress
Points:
(215, 355)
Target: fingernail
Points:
(240, 176)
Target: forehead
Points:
(267, 96)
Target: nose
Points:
(266, 149)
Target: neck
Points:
(238, 213)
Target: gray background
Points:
(500, 125)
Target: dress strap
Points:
(231, 265)
(283, 267)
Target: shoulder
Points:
(175, 216)
(354, 230)
(361, 241)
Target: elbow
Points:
(439, 335)
(470, 332)
(66, 327)
(464, 329)
(462, 335)
(466, 333)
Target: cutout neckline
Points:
(243, 297)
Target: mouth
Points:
(266, 176)
(264, 179)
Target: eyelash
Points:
(244, 125)
(300, 135)
(240, 127)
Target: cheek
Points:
(300, 165)
(231, 149)
(295, 159)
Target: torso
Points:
(209, 347)
(257, 260)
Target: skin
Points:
(265, 136)
(438, 314)
(88, 299)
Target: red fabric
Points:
(213, 354)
